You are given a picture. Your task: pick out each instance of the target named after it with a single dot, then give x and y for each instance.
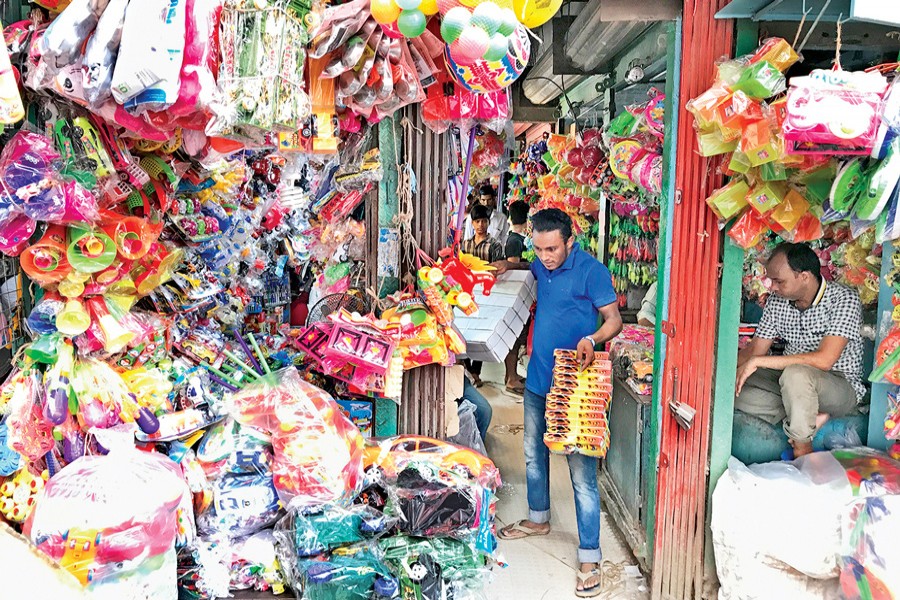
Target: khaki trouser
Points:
(796, 395)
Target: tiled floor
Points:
(543, 568)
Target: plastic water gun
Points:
(18, 494)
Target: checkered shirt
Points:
(488, 250)
(836, 311)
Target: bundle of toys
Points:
(823, 153)
(577, 405)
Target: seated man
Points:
(821, 370)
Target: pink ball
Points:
(473, 42)
(445, 5)
(457, 55)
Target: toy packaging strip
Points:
(577, 405)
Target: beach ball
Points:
(454, 22)
(408, 4)
(534, 13)
(385, 12)
(483, 76)
(411, 23)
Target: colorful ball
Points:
(508, 22)
(454, 22)
(487, 16)
(457, 56)
(498, 48)
(411, 23)
(408, 4)
(483, 76)
(591, 156)
(473, 42)
(444, 6)
(534, 13)
(385, 12)
(429, 7)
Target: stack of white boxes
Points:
(491, 332)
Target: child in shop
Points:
(514, 251)
(488, 249)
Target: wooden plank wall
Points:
(691, 327)
(422, 403)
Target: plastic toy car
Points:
(391, 455)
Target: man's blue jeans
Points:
(483, 410)
(583, 470)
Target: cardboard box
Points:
(361, 413)
(491, 332)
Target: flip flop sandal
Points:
(525, 530)
(518, 391)
(593, 591)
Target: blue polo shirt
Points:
(568, 303)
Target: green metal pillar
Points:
(667, 214)
(388, 247)
(879, 405)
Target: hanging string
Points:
(802, 22)
(837, 43)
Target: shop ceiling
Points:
(884, 12)
(586, 39)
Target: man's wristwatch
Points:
(590, 339)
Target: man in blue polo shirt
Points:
(573, 290)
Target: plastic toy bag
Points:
(348, 575)
(749, 229)
(432, 569)
(834, 112)
(760, 80)
(729, 200)
(28, 433)
(468, 434)
(242, 505)
(808, 229)
(766, 196)
(113, 522)
(777, 52)
(318, 451)
(254, 564)
(101, 52)
(790, 211)
(313, 534)
(62, 42)
(146, 76)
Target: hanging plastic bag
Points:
(113, 521)
(749, 229)
(146, 76)
(790, 211)
(62, 42)
(468, 435)
(101, 52)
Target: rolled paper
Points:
(115, 336)
(262, 359)
(73, 319)
(46, 261)
(90, 250)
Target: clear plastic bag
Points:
(468, 429)
(101, 52)
(113, 521)
(433, 569)
(318, 451)
(313, 534)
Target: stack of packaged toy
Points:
(577, 405)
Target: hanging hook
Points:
(816, 22)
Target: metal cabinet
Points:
(623, 474)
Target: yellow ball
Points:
(890, 424)
(385, 11)
(429, 7)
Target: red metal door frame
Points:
(691, 326)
